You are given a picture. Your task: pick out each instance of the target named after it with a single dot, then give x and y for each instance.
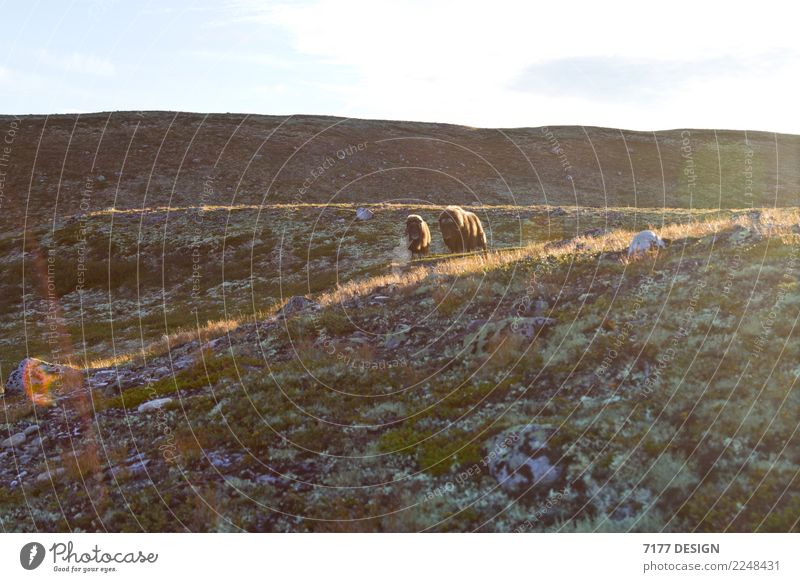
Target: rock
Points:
(267, 480)
(475, 325)
(31, 430)
(558, 212)
(154, 404)
(183, 362)
(55, 474)
(38, 379)
(364, 214)
(521, 459)
(215, 343)
(481, 334)
(645, 241)
(297, 304)
(139, 466)
(14, 440)
(529, 326)
(379, 299)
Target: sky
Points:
(495, 63)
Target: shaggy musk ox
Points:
(462, 230)
(418, 234)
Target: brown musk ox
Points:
(462, 230)
(418, 235)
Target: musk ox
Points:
(462, 230)
(418, 234)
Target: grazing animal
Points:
(646, 241)
(462, 230)
(418, 234)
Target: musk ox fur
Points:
(418, 235)
(462, 230)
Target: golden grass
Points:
(773, 223)
(203, 333)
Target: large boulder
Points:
(645, 241)
(41, 380)
(522, 460)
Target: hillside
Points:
(239, 350)
(554, 385)
(62, 165)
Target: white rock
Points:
(364, 214)
(644, 242)
(154, 404)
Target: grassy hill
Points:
(665, 385)
(62, 165)
(164, 255)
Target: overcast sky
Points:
(637, 65)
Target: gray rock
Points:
(54, 474)
(31, 430)
(482, 333)
(14, 440)
(37, 371)
(521, 459)
(154, 404)
(297, 304)
(160, 372)
(267, 480)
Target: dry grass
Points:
(772, 223)
(202, 333)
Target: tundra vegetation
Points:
(666, 383)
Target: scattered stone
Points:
(31, 430)
(55, 474)
(481, 334)
(645, 241)
(558, 212)
(139, 466)
(521, 459)
(267, 480)
(14, 440)
(40, 375)
(161, 372)
(297, 304)
(154, 404)
(215, 343)
(364, 214)
(379, 299)
(183, 362)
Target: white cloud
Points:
(504, 63)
